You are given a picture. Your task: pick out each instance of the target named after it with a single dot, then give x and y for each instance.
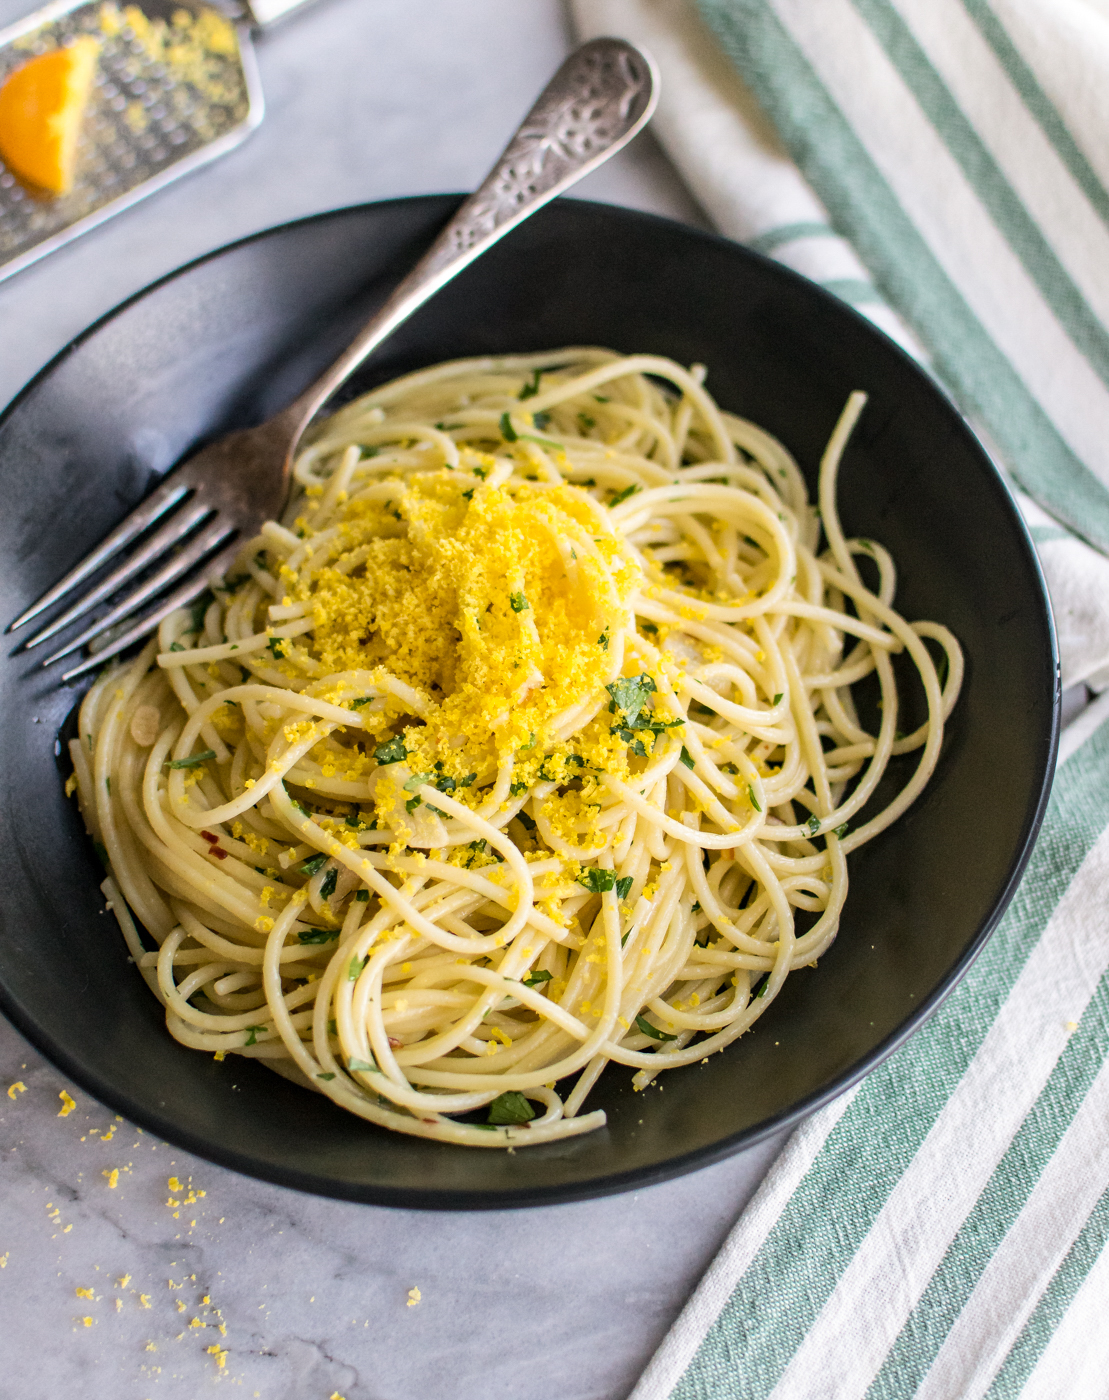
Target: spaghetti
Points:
(526, 743)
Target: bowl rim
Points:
(422, 1198)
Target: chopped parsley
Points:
(508, 432)
(417, 781)
(525, 821)
(623, 495)
(252, 1034)
(391, 752)
(537, 977)
(541, 420)
(586, 422)
(176, 646)
(765, 983)
(412, 803)
(277, 647)
(330, 880)
(362, 896)
(649, 627)
(684, 757)
(354, 968)
(531, 388)
(313, 863)
(602, 640)
(841, 831)
(362, 700)
(778, 698)
(202, 757)
(317, 935)
(326, 1074)
(596, 880)
(516, 789)
(510, 1107)
(813, 824)
(363, 1067)
(754, 799)
(468, 495)
(630, 695)
(624, 886)
(653, 1031)
(519, 602)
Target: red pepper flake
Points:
(219, 855)
(394, 1043)
(209, 837)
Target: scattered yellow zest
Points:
(113, 1177)
(41, 106)
(17, 1088)
(87, 1321)
(219, 1055)
(144, 1300)
(85, 1293)
(4, 1260)
(124, 1281)
(68, 1105)
(174, 1184)
(414, 1296)
(219, 1353)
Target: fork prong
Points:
(201, 545)
(216, 568)
(141, 518)
(159, 543)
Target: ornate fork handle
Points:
(596, 102)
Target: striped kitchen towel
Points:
(940, 165)
(942, 1231)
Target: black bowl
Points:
(233, 337)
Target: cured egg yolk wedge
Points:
(41, 106)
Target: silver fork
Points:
(214, 502)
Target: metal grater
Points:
(176, 86)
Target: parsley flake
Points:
(754, 799)
(193, 761)
(519, 602)
(531, 388)
(354, 968)
(510, 1107)
(508, 432)
(623, 495)
(596, 880)
(330, 880)
(313, 863)
(391, 752)
(684, 757)
(537, 977)
(317, 935)
(624, 886)
(653, 1031)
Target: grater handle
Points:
(263, 13)
(598, 100)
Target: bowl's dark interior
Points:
(234, 337)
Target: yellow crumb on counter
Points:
(414, 1297)
(113, 1177)
(68, 1104)
(17, 1088)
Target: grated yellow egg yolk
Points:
(491, 603)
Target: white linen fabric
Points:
(942, 1231)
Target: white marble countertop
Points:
(105, 1288)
